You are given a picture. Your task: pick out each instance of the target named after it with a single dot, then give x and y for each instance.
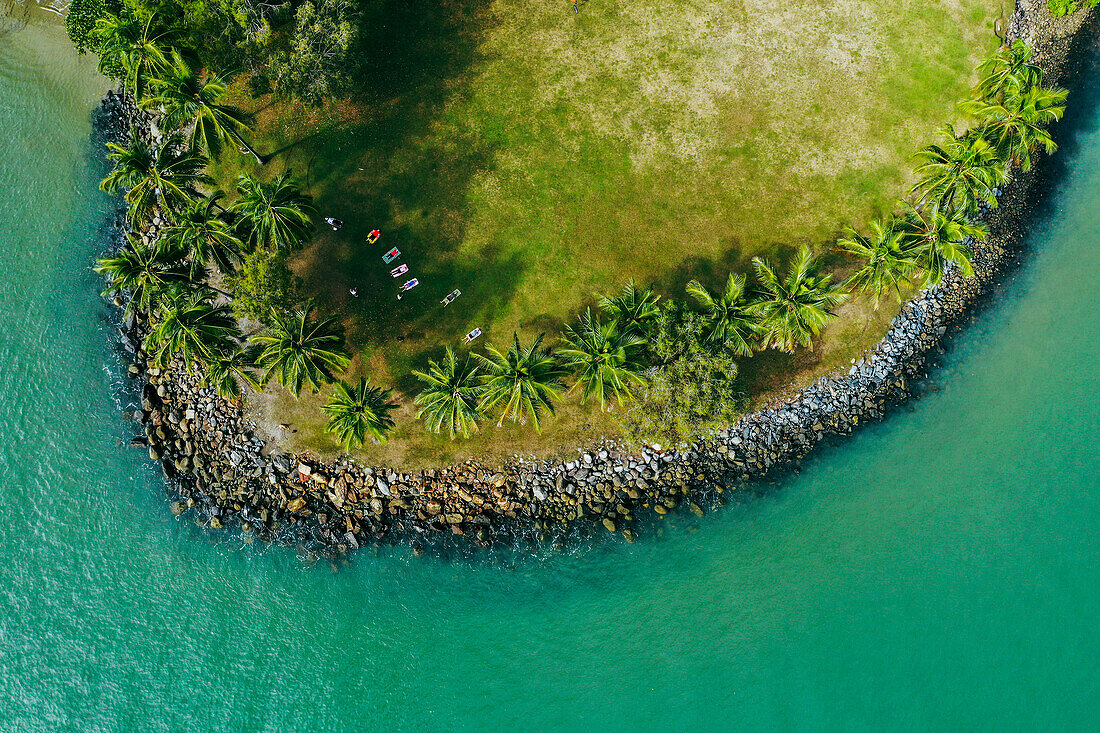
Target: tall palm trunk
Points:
(260, 159)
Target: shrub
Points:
(81, 18)
(1059, 8)
(263, 283)
(693, 386)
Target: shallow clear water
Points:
(938, 571)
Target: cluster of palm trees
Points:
(168, 278)
(521, 384)
(1009, 112)
(607, 354)
(607, 357)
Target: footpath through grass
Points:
(532, 157)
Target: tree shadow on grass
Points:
(713, 272)
(382, 162)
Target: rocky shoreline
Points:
(217, 469)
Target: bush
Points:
(318, 63)
(691, 389)
(81, 18)
(1059, 8)
(263, 283)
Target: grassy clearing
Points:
(533, 157)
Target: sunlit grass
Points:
(533, 157)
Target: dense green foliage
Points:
(605, 358)
(451, 396)
(355, 413)
(728, 315)
(263, 286)
(81, 18)
(302, 351)
(316, 63)
(192, 100)
(961, 173)
(1059, 8)
(228, 368)
(794, 308)
(131, 48)
(187, 324)
(275, 216)
(522, 382)
(692, 387)
(886, 257)
(144, 272)
(305, 49)
(165, 176)
(675, 365)
(205, 235)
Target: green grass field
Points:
(533, 157)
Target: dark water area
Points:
(938, 571)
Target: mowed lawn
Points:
(534, 157)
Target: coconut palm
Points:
(523, 382)
(227, 369)
(202, 232)
(450, 396)
(961, 173)
(604, 357)
(729, 315)
(1017, 124)
(186, 323)
(886, 259)
(193, 100)
(1008, 72)
(130, 49)
(276, 215)
(302, 351)
(143, 271)
(794, 309)
(356, 412)
(634, 308)
(937, 236)
(154, 176)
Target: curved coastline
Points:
(216, 467)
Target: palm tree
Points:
(227, 369)
(729, 316)
(203, 233)
(190, 99)
(300, 351)
(937, 236)
(129, 48)
(634, 308)
(450, 396)
(523, 381)
(276, 215)
(144, 271)
(605, 357)
(186, 323)
(961, 173)
(1008, 72)
(1017, 124)
(794, 309)
(164, 176)
(356, 412)
(886, 259)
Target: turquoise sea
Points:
(939, 571)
